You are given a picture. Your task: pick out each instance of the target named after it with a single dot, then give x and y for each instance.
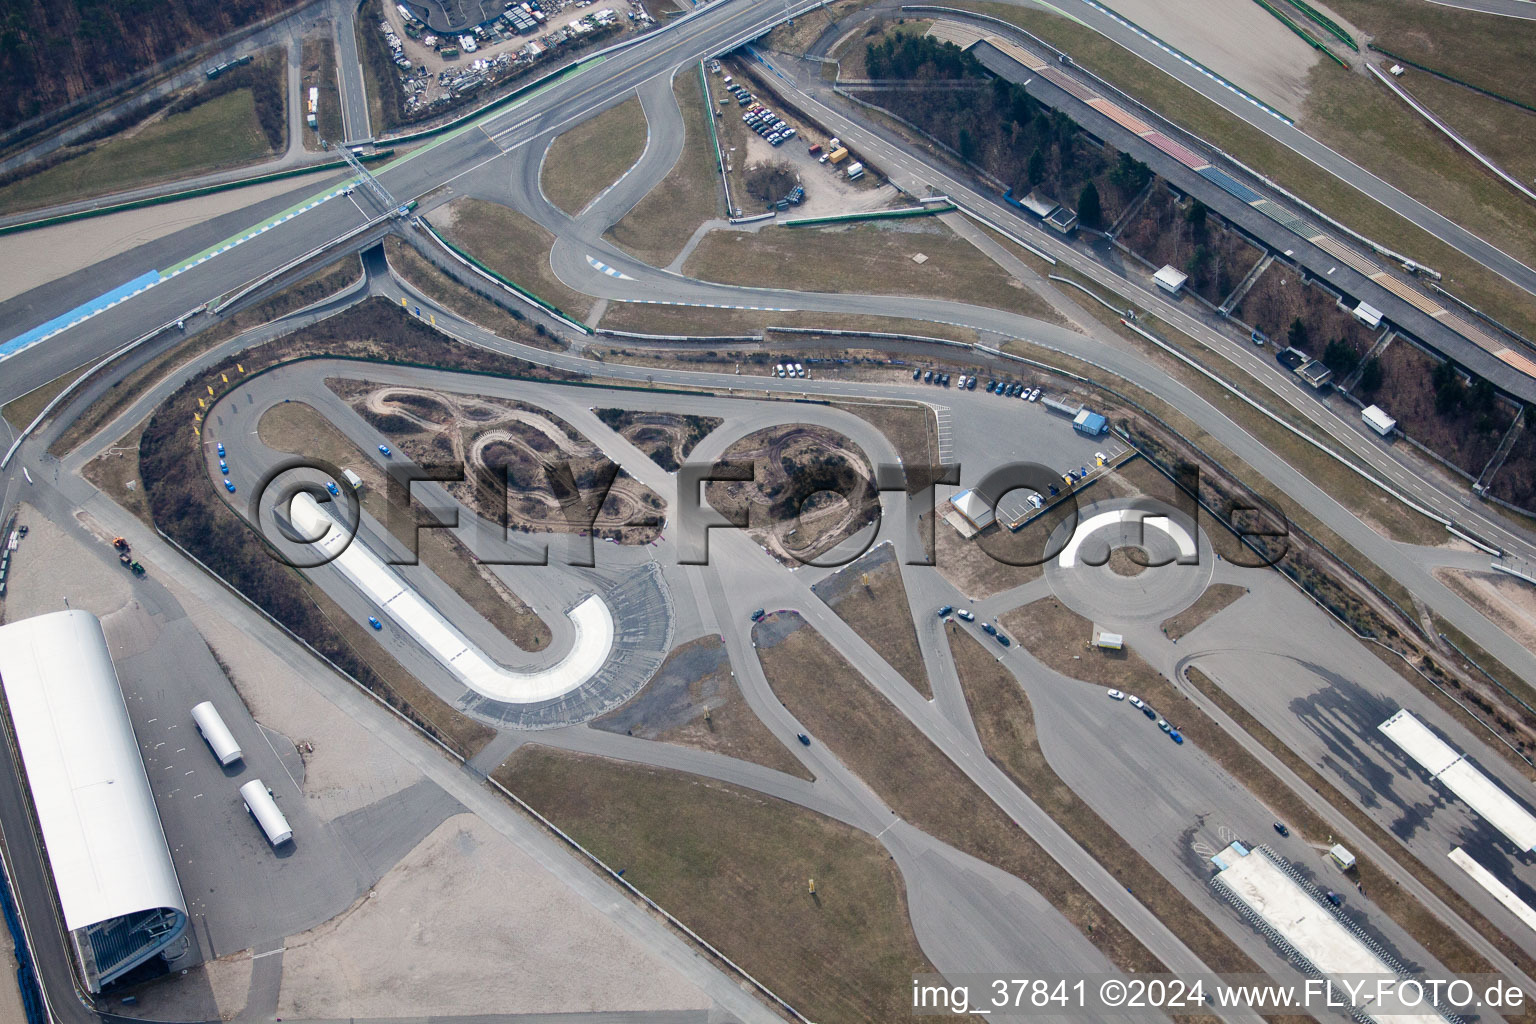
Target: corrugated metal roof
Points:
(105, 842)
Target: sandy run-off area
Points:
(1237, 39)
(34, 258)
(465, 924)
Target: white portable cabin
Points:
(264, 809)
(1377, 419)
(220, 740)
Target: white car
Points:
(1136, 702)
(799, 370)
(778, 369)
(1034, 396)
(1116, 695)
(966, 614)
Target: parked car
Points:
(224, 467)
(1162, 723)
(989, 629)
(917, 374)
(1280, 827)
(373, 620)
(385, 450)
(1176, 737)
(1146, 709)
(946, 610)
(1116, 695)
(757, 616)
(221, 449)
(1334, 898)
(972, 385)
(330, 485)
(1002, 638)
(1136, 702)
(966, 614)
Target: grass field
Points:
(870, 596)
(20, 412)
(1206, 119)
(588, 158)
(693, 700)
(319, 71)
(1006, 724)
(1504, 133)
(297, 427)
(659, 226)
(736, 866)
(224, 132)
(1216, 597)
(918, 781)
(646, 318)
(870, 258)
(512, 245)
(431, 281)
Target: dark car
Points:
(989, 629)
(946, 610)
(917, 374)
(1280, 827)
(1003, 639)
(757, 616)
(1146, 709)
(1335, 899)
(1174, 735)
(803, 738)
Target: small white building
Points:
(1368, 315)
(976, 509)
(1377, 419)
(1170, 280)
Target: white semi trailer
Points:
(220, 740)
(258, 800)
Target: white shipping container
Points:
(258, 800)
(216, 733)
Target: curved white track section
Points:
(1092, 525)
(441, 639)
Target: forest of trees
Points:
(998, 126)
(53, 52)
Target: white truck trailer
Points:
(220, 740)
(258, 800)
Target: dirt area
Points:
(1127, 561)
(318, 71)
(511, 245)
(736, 866)
(666, 437)
(693, 701)
(917, 780)
(971, 567)
(1238, 40)
(1059, 638)
(524, 944)
(792, 38)
(812, 489)
(467, 302)
(34, 258)
(876, 258)
(1213, 255)
(442, 69)
(660, 224)
(870, 596)
(911, 429)
(584, 160)
(1509, 602)
(296, 427)
(116, 472)
(827, 189)
(1216, 597)
(1005, 722)
(50, 566)
(516, 459)
(1465, 434)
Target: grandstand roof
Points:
(98, 817)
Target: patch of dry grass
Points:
(589, 157)
(514, 246)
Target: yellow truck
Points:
(838, 155)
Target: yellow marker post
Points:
(201, 404)
(239, 367)
(433, 319)
(225, 377)
(209, 387)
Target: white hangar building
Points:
(112, 869)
